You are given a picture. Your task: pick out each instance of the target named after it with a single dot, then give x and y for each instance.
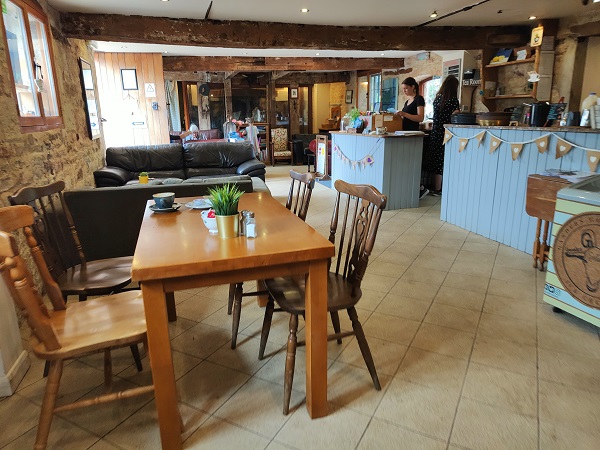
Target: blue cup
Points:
(164, 200)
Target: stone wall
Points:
(65, 153)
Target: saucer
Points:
(175, 207)
(199, 203)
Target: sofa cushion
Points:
(216, 154)
(218, 179)
(164, 158)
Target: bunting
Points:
(542, 143)
(494, 144)
(447, 136)
(592, 160)
(463, 143)
(479, 138)
(515, 150)
(562, 147)
(360, 163)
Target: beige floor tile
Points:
(341, 429)
(514, 275)
(63, 435)
(399, 306)
(352, 387)
(257, 407)
(216, 433)
(390, 328)
(466, 256)
(502, 389)
(199, 307)
(518, 291)
(279, 331)
(507, 328)
(453, 317)
(569, 406)
(426, 262)
(446, 341)
(18, 415)
(577, 338)
(370, 299)
(557, 437)
(460, 298)
(513, 258)
(510, 307)
(220, 292)
(503, 354)
(207, 386)
(479, 426)
(440, 242)
(182, 364)
(397, 257)
(378, 283)
(103, 445)
(431, 276)
(412, 237)
(121, 359)
(414, 289)
(411, 249)
(249, 314)
(201, 340)
(432, 369)
(179, 326)
(382, 435)
(274, 445)
(424, 409)
(573, 370)
(467, 282)
(386, 355)
(472, 268)
(244, 358)
(386, 268)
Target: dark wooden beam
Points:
(245, 34)
(194, 76)
(259, 64)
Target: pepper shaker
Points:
(250, 225)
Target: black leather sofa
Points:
(187, 162)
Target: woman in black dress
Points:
(444, 105)
(413, 112)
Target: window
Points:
(389, 93)
(375, 92)
(429, 89)
(30, 58)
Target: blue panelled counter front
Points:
(484, 188)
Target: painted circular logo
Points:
(577, 258)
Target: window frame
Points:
(41, 122)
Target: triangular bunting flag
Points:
(480, 137)
(463, 143)
(494, 144)
(542, 143)
(562, 148)
(447, 136)
(515, 150)
(592, 159)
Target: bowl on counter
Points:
(493, 119)
(463, 118)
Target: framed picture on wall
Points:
(294, 93)
(349, 96)
(89, 98)
(129, 79)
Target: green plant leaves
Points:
(225, 199)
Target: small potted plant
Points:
(143, 177)
(225, 201)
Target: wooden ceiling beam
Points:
(246, 34)
(260, 64)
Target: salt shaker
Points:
(243, 222)
(250, 225)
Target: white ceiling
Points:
(323, 12)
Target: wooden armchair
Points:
(297, 202)
(356, 215)
(280, 146)
(67, 331)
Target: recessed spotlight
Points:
(317, 54)
(532, 17)
(304, 10)
(123, 46)
(245, 53)
(382, 54)
(433, 14)
(164, 0)
(165, 52)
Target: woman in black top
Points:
(414, 107)
(444, 105)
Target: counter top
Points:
(546, 129)
(386, 135)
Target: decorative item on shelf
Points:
(225, 201)
(143, 177)
(502, 56)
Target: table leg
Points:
(316, 339)
(161, 363)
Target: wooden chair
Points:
(67, 331)
(280, 147)
(297, 202)
(358, 223)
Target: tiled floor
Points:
(468, 355)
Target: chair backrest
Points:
(356, 214)
(53, 226)
(300, 193)
(279, 139)
(19, 279)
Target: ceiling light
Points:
(532, 17)
(245, 53)
(433, 14)
(382, 54)
(317, 54)
(304, 10)
(164, 0)
(123, 46)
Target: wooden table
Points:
(175, 251)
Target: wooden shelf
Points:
(510, 63)
(502, 97)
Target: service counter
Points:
(391, 163)
(486, 169)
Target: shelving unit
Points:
(490, 72)
(264, 135)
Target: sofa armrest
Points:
(111, 176)
(252, 165)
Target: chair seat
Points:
(286, 153)
(289, 293)
(101, 276)
(84, 327)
